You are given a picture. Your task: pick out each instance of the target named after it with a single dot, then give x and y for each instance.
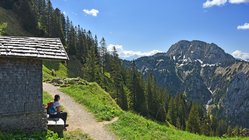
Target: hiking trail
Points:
(80, 118)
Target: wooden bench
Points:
(56, 125)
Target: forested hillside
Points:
(90, 60)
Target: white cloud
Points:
(129, 54)
(241, 55)
(92, 12)
(243, 27)
(211, 3)
(238, 1)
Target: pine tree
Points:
(42, 19)
(206, 126)
(180, 102)
(57, 24)
(90, 68)
(67, 28)
(7, 4)
(138, 92)
(49, 18)
(171, 114)
(150, 98)
(26, 15)
(178, 122)
(103, 54)
(116, 75)
(3, 27)
(161, 99)
(71, 40)
(193, 123)
(222, 128)
(214, 125)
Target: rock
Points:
(199, 50)
(236, 102)
(57, 81)
(75, 81)
(71, 80)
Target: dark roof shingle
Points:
(41, 48)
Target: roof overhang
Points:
(32, 47)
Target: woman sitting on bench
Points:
(55, 110)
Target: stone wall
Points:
(21, 95)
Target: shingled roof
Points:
(41, 48)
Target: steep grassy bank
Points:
(58, 69)
(95, 99)
(134, 127)
(46, 98)
(51, 70)
(129, 125)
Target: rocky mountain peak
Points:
(208, 53)
(205, 74)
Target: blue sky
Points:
(143, 27)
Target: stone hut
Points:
(21, 80)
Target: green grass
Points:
(129, 125)
(95, 99)
(46, 73)
(59, 69)
(75, 135)
(70, 69)
(46, 98)
(132, 127)
(49, 135)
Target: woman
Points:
(55, 110)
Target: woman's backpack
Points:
(50, 108)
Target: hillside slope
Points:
(129, 125)
(14, 27)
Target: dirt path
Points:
(79, 118)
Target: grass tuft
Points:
(76, 135)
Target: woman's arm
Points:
(57, 106)
(58, 109)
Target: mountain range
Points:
(204, 73)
